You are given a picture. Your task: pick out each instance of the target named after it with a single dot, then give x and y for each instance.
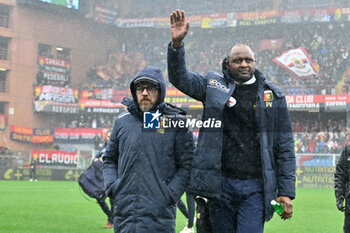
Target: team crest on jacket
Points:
(268, 96)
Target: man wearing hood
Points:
(147, 171)
(248, 162)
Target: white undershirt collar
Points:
(250, 81)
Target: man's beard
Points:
(146, 108)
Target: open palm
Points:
(178, 26)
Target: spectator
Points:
(33, 164)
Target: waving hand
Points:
(179, 27)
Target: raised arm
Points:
(192, 84)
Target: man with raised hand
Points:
(250, 161)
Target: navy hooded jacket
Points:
(146, 172)
(272, 116)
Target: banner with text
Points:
(217, 20)
(77, 135)
(316, 102)
(232, 19)
(100, 106)
(315, 177)
(179, 99)
(56, 158)
(56, 99)
(56, 94)
(53, 70)
(31, 135)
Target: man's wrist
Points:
(175, 44)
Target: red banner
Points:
(78, 135)
(99, 103)
(21, 130)
(100, 106)
(314, 102)
(327, 99)
(257, 17)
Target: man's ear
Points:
(227, 64)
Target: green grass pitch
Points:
(58, 206)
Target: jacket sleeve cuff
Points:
(172, 47)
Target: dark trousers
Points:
(106, 209)
(32, 173)
(189, 211)
(346, 227)
(203, 222)
(240, 208)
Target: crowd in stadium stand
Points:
(314, 140)
(330, 55)
(320, 132)
(205, 48)
(116, 72)
(87, 121)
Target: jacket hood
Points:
(226, 72)
(153, 74)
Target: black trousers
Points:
(188, 213)
(203, 222)
(106, 209)
(33, 173)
